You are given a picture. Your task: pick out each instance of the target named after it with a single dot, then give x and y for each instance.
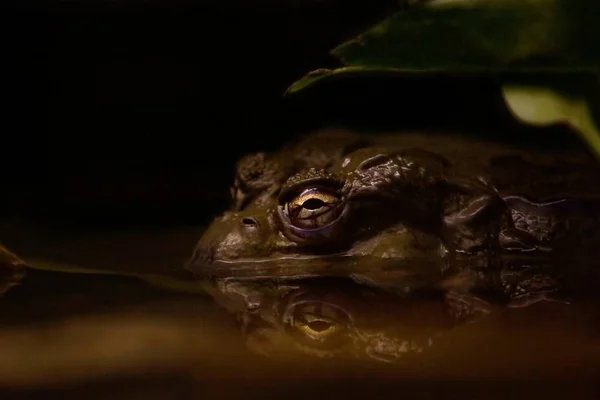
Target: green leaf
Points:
(475, 36)
(531, 45)
(575, 102)
(485, 33)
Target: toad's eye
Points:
(313, 208)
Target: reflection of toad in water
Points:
(373, 316)
(336, 318)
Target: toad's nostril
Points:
(249, 222)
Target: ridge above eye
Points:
(309, 179)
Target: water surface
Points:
(98, 336)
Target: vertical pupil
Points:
(313, 204)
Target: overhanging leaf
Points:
(474, 37)
(508, 38)
(481, 33)
(551, 102)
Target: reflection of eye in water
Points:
(318, 324)
(340, 319)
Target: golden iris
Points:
(313, 208)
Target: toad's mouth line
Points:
(354, 258)
(303, 266)
(295, 257)
(424, 268)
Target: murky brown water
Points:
(94, 336)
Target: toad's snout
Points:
(231, 237)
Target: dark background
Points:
(122, 111)
(129, 112)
